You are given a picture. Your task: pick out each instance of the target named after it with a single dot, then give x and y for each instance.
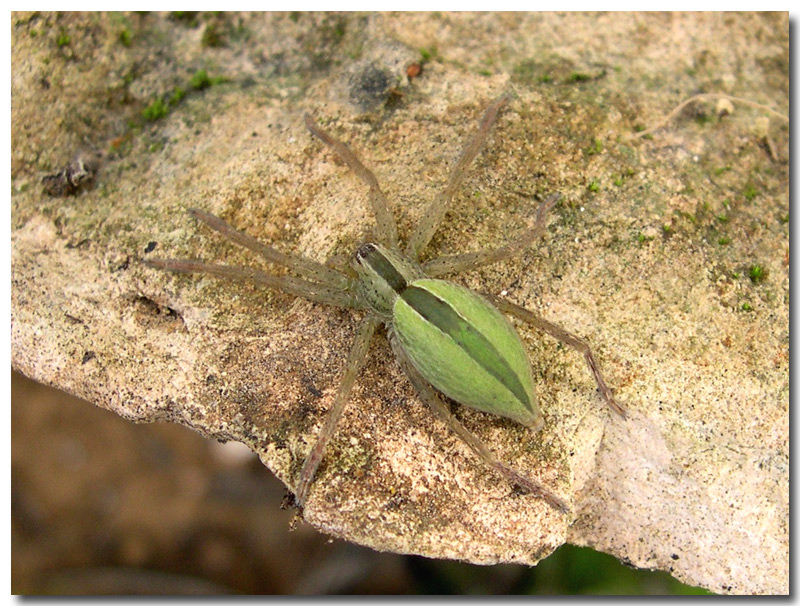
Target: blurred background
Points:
(102, 506)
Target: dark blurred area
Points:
(100, 505)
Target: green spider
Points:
(448, 339)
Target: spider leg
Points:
(435, 212)
(302, 265)
(429, 395)
(341, 264)
(566, 338)
(386, 226)
(318, 293)
(355, 362)
(472, 260)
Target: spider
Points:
(447, 339)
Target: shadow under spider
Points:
(446, 338)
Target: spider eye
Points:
(364, 251)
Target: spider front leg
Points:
(302, 265)
(318, 293)
(355, 362)
(325, 285)
(434, 214)
(427, 393)
(566, 338)
(386, 225)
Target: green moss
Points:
(238, 32)
(641, 238)
(129, 76)
(639, 128)
(156, 110)
(177, 95)
(757, 273)
(188, 18)
(784, 219)
(594, 185)
(294, 16)
(212, 36)
(527, 71)
(618, 180)
(667, 228)
(429, 54)
(347, 456)
(750, 192)
(339, 30)
(720, 170)
(702, 119)
(544, 67)
(63, 39)
(595, 148)
(724, 240)
(747, 307)
(723, 218)
(125, 37)
(200, 80)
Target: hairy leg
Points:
(440, 409)
(318, 293)
(355, 362)
(472, 260)
(387, 228)
(302, 265)
(434, 214)
(566, 338)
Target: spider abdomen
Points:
(467, 349)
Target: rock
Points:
(690, 323)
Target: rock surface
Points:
(668, 253)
